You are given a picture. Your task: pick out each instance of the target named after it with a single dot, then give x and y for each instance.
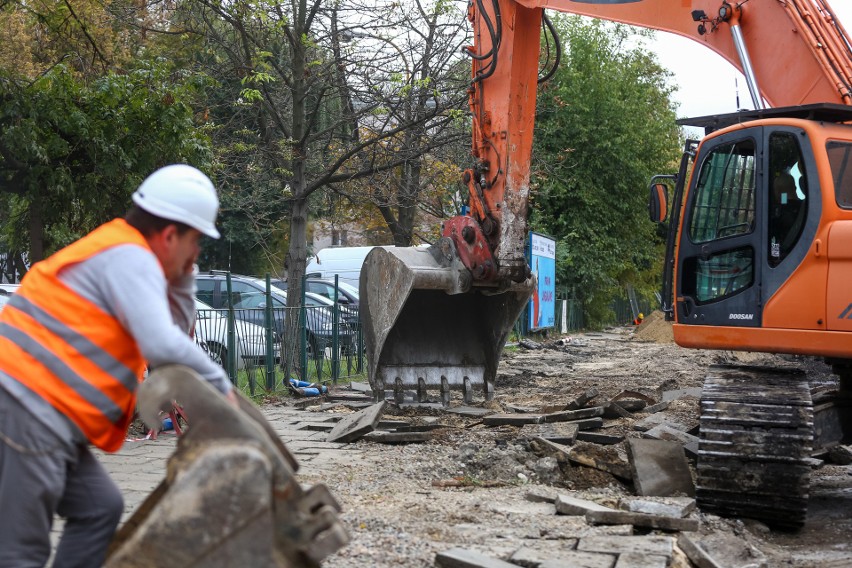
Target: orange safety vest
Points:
(69, 351)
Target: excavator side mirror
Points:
(658, 202)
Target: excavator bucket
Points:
(426, 327)
(230, 496)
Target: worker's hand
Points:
(231, 397)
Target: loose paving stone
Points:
(363, 388)
(542, 495)
(398, 437)
(357, 424)
(654, 408)
(602, 439)
(840, 455)
(631, 404)
(639, 560)
(567, 505)
(680, 393)
(343, 396)
(720, 550)
(560, 452)
(523, 409)
(392, 424)
(534, 558)
(583, 399)
(657, 545)
(471, 411)
(558, 432)
(659, 468)
(604, 458)
(588, 423)
(655, 420)
(615, 410)
(666, 432)
(641, 520)
(511, 419)
(664, 506)
(461, 558)
(573, 415)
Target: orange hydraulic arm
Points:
(800, 55)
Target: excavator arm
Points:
(440, 318)
(815, 68)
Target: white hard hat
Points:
(180, 193)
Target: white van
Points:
(346, 262)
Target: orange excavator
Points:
(759, 254)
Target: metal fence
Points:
(248, 344)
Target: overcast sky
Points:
(699, 96)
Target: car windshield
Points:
(258, 300)
(348, 288)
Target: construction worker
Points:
(74, 343)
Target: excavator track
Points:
(755, 445)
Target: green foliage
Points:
(605, 125)
(73, 150)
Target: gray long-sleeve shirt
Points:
(127, 282)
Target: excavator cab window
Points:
(723, 207)
(787, 195)
(724, 201)
(840, 159)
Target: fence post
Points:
(231, 339)
(303, 332)
(335, 335)
(267, 324)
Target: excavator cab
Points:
(757, 260)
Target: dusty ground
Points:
(398, 516)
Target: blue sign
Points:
(543, 262)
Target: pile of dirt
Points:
(654, 328)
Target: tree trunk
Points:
(36, 230)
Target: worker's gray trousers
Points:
(41, 475)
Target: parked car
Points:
(319, 320)
(347, 294)
(211, 332)
(248, 297)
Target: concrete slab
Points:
(665, 506)
(398, 437)
(655, 420)
(532, 557)
(569, 415)
(462, 558)
(559, 432)
(357, 424)
(512, 419)
(583, 399)
(659, 468)
(720, 550)
(602, 439)
(656, 545)
(542, 495)
(567, 505)
(639, 560)
(666, 432)
(641, 520)
(471, 411)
